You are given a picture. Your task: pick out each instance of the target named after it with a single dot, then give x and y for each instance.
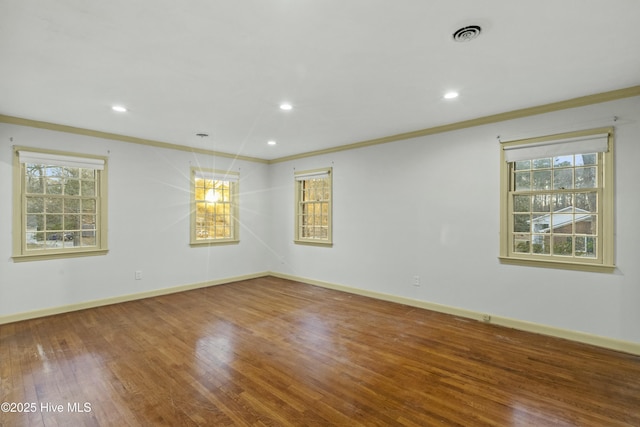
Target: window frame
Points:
(20, 251)
(604, 260)
(298, 187)
(234, 194)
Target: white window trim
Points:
(606, 197)
(299, 177)
(234, 187)
(24, 155)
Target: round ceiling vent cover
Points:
(466, 34)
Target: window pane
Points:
(562, 179)
(88, 239)
(562, 223)
(523, 165)
(523, 181)
(542, 203)
(521, 223)
(586, 224)
(562, 161)
(540, 223)
(542, 180)
(88, 222)
(70, 172)
(54, 205)
(541, 244)
(88, 174)
(562, 201)
(32, 170)
(71, 205)
(35, 185)
(71, 187)
(73, 237)
(88, 206)
(35, 205)
(72, 222)
(35, 241)
(586, 177)
(53, 222)
(562, 245)
(585, 246)
(54, 171)
(53, 238)
(35, 223)
(54, 186)
(88, 188)
(521, 243)
(586, 159)
(199, 193)
(542, 163)
(522, 203)
(587, 201)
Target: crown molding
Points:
(480, 121)
(117, 137)
(494, 118)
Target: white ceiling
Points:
(353, 70)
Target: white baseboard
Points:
(122, 298)
(600, 341)
(596, 340)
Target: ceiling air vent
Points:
(466, 34)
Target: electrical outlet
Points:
(486, 318)
(416, 281)
(138, 275)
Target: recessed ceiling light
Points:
(119, 108)
(286, 106)
(451, 95)
(272, 142)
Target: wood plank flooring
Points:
(271, 352)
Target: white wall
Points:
(430, 207)
(148, 205)
(436, 198)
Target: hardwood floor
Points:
(271, 352)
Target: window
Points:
(214, 212)
(59, 205)
(557, 200)
(313, 207)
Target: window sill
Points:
(313, 243)
(576, 266)
(197, 244)
(60, 255)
